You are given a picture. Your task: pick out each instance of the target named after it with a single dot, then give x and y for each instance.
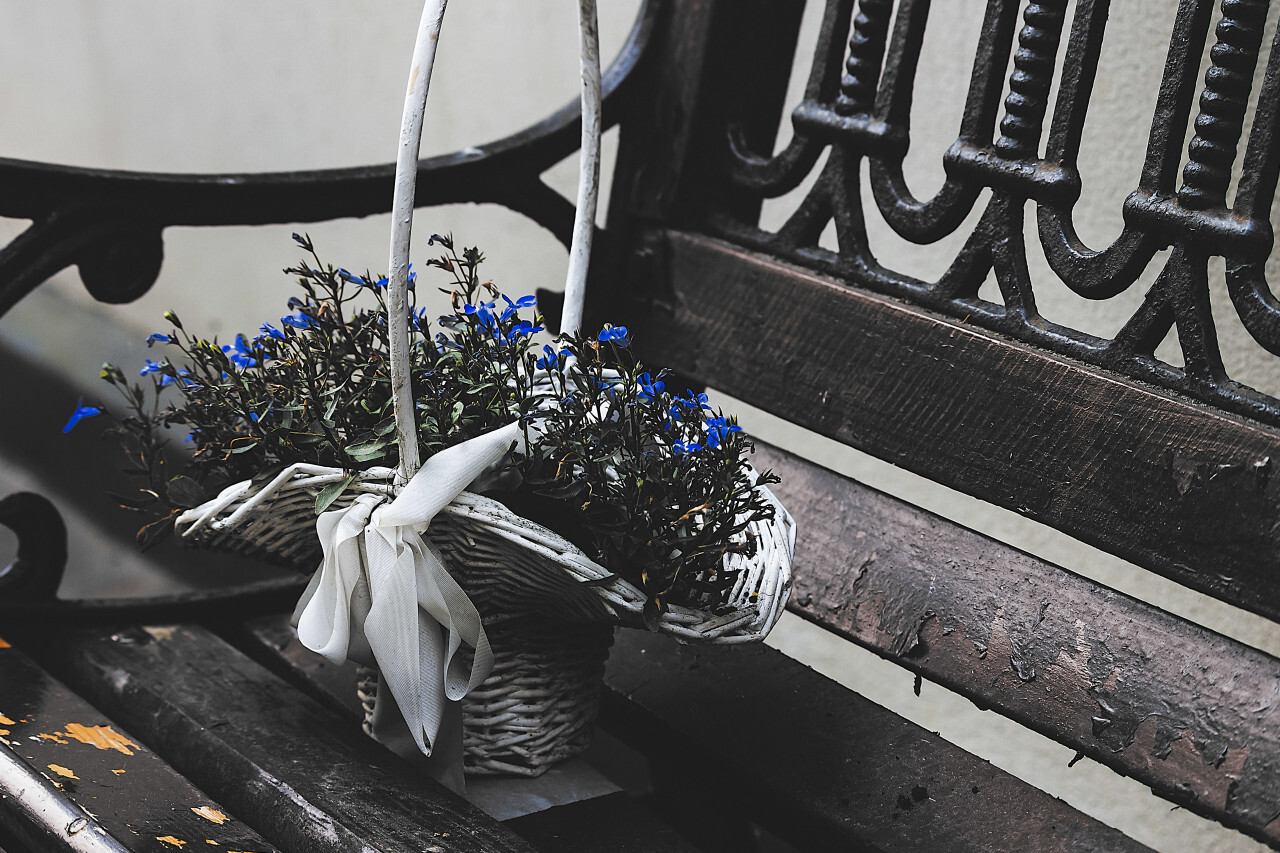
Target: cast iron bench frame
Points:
(1167, 467)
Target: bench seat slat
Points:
(299, 773)
(1188, 712)
(131, 793)
(606, 820)
(1171, 485)
(820, 766)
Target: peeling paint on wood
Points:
(171, 841)
(160, 632)
(321, 785)
(4, 644)
(103, 737)
(211, 814)
(154, 801)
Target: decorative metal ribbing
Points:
(868, 119)
(1223, 102)
(866, 53)
(1033, 66)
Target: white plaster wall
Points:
(246, 86)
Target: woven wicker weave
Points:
(538, 705)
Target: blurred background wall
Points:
(239, 86)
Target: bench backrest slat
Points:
(1167, 466)
(1170, 484)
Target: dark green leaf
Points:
(332, 492)
(185, 492)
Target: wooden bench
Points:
(1169, 467)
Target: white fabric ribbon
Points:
(383, 597)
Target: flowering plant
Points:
(651, 484)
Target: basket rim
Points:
(754, 606)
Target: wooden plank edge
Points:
(1165, 482)
(818, 765)
(71, 778)
(304, 777)
(606, 819)
(1186, 711)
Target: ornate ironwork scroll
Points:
(857, 107)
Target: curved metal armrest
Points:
(109, 221)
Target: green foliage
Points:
(652, 485)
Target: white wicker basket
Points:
(547, 608)
(543, 601)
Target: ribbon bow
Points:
(383, 597)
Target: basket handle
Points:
(415, 103)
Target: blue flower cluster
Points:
(505, 327)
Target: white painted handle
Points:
(415, 105)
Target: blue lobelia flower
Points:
(681, 448)
(156, 337)
(242, 355)
(301, 321)
(649, 389)
(553, 360)
(527, 301)
(614, 334)
(523, 328)
(693, 402)
(167, 380)
(269, 331)
(513, 307)
(718, 429)
(82, 411)
(149, 367)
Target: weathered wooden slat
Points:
(605, 820)
(300, 774)
(1166, 483)
(85, 758)
(1190, 713)
(820, 766)
(610, 824)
